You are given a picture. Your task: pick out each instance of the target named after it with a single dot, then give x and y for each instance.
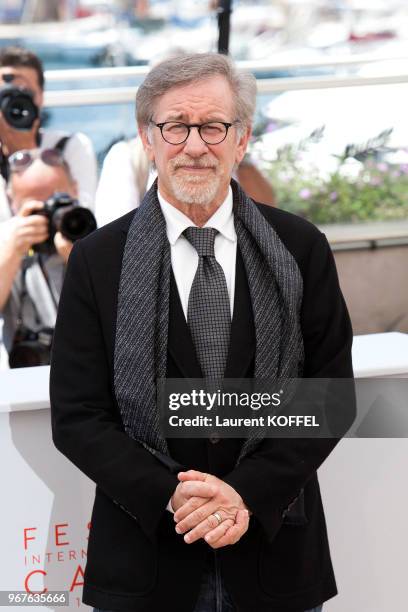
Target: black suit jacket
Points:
(136, 561)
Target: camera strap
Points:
(47, 280)
(27, 262)
(61, 144)
(4, 166)
(24, 295)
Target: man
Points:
(28, 189)
(21, 68)
(198, 281)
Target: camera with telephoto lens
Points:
(17, 107)
(64, 215)
(31, 348)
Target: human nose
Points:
(195, 145)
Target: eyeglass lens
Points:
(23, 159)
(211, 133)
(20, 159)
(52, 157)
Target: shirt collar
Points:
(176, 221)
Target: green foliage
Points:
(372, 190)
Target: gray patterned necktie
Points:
(208, 312)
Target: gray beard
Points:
(195, 192)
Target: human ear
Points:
(243, 139)
(40, 98)
(146, 136)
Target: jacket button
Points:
(214, 438)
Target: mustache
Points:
(178, 162)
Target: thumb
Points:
(192, 475)
(241, 525)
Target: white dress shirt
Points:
(184, 257)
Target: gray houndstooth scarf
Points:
(275, 285)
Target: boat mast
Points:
(37, 11)
(224, 19)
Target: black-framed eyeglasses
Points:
(176, 133)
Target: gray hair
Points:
(186, 69)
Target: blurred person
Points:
(199, 281)
(254, 182)
(123, 181)
(126, 175)
(126, 171)
(20, 68)
(30, 282)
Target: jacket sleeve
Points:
(271, 478)
(86, 424)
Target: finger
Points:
(35, 238)
(201, 529)
(27, 244)
(185, 522)
(234, 533)
(34, 226)
(28, 233)
(28, 207)
(38, 240)
(192, 504)
(37, 221)
(200, 489)
(37, 232)
(192, 475)
(215, 534)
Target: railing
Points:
(141, 71)
(123, 95)
(367, 236)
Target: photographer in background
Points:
(34, 253)
(21, 101)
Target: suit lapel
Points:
(242, 344)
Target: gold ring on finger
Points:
(218, 517)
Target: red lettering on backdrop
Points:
(26, 587)
(26, 537)
(59, 534)
(57, 531)
(78, 580)
(78, 573)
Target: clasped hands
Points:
(196, 498)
